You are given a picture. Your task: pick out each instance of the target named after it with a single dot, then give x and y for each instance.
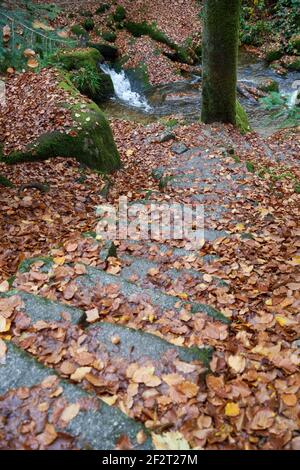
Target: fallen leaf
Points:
(237, 363)
(70, 412)
(232, 409)
(170, 441)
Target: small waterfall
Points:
(292, 99)
(123, 89)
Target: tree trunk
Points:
(220, 54)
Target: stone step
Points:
(96, 276)
(134, 343)
(135, 269)
(103, 359)
(96, 426)
(42, 309)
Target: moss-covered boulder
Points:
(273, 52)
(83, 65)
(109, 36)
(119, 14)
(78, 30)
(89, 140)
(74, 59)
(291, 62)
(5, 182)
(294, 43)
(242, 121)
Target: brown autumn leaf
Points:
(188, 388)
(263, 419)
(80, 373)
(146, 375)
(70, 412)
(48, 436)
(237, 363)
(123, 443)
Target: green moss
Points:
(26, 264)
(120, 14)
(78, 30)
(102, 9)
(294, 43)
(294, 65)
(273, 53)
(5, 182)
(88, 24)
(242, 121)
(75, 59)
(269, 85)
(145, 29)
(90, 141)
(109, 36)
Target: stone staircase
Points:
(95, 330)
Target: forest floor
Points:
(185, 348)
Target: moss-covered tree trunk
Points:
(220, 53)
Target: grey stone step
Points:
(139, 267)
(40, 308)
(134, 343)
(95, 429)
(96, 276)
(155, 251)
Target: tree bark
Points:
(220, 56)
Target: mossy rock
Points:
(273, 52)
(120, 14)
(102, 9)
(294, 65)
(242, 121)
(74, 59)
(269, 85)
(90, 141)
(78, 30)
(107, 51)
(294, 43)
(181, 54)
(88, 24)
(5, 182)
(109, 36)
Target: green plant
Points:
(250, 167)
(281, 108)
(5, 182)
(78, 30)
(88, 24)
(102, 9)
(120, 14)
(87, 80)
(109, 36)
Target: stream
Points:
(183, 98)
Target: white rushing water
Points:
(123, 89)
(293, 97)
